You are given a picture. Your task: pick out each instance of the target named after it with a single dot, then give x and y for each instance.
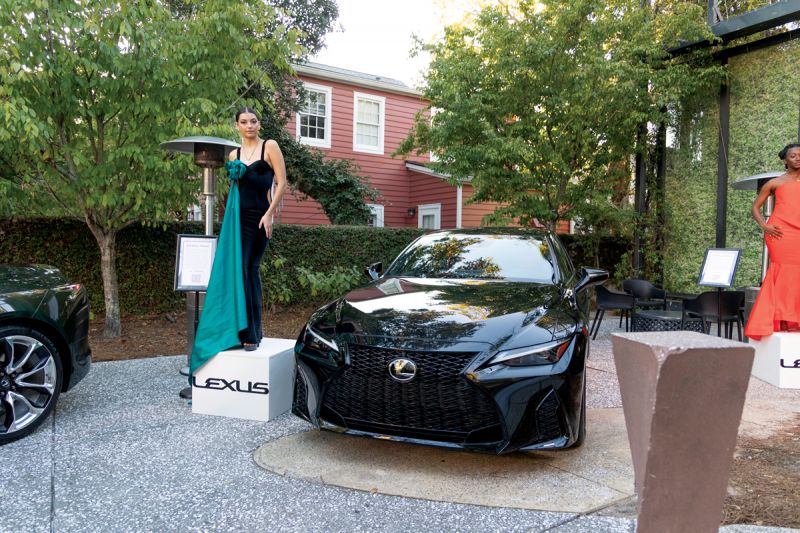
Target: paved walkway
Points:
(124, 453)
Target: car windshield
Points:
(524, 257)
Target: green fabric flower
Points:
(236, 170)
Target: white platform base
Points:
(254, 385)
(777, 359)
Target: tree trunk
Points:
(107, 241)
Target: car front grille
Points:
(438, 403)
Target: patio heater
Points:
(209, 154)
(755, 183)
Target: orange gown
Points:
(777, 307)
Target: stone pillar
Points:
(682, 395)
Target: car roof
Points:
(541, 232)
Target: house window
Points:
(368, 122)
(376, 219)
(194, 213)
(314, 117)
(430, 216)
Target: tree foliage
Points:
(539, 101)
(90, 89)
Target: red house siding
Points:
(432, 190)
(300, 211)
(472, 214)
(399, 187)
(385, 173)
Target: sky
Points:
(376, 36)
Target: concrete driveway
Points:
(124, 453)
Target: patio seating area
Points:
(646, 307)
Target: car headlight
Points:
(540, 354)
(319, 341)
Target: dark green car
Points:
(44, 344)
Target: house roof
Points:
(327, 72)
(415, 166)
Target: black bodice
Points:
(255, 184)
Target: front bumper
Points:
(456, 400)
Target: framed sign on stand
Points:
(194, 258)
(719, 270)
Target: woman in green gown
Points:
(232, 309)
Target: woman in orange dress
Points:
(777, 307)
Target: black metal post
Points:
(722, 164)
(196, 311)
(639, 196)
(186, 393)
(661, 188)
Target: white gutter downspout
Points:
(459, 202)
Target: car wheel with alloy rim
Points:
(30, 380)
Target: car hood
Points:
(440, 314)
(21, 278)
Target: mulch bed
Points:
(166, 334)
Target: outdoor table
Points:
(658, 320)
(675, 300)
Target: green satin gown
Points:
(224, 313)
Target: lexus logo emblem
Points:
(403, 370)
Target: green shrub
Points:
(328, 258)
(303, 264)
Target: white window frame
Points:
(381, 101)
(319, 143)
(377, 210)
(430, 209)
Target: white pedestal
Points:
(777, 359)
(254, 385)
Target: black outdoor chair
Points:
(645, 294)
(706, 306)
(608, 299)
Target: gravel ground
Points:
(124, 453)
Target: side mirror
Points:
(374, 270)
(589, 277)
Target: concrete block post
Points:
(682, 395)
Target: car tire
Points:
(31, 378)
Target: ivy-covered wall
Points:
(764, 116)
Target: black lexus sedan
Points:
(44, 344)
(471, 338)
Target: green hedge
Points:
(146, 256)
